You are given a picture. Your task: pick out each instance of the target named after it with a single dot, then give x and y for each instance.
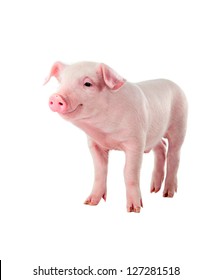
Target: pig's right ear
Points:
(113, 80)
(55, 71)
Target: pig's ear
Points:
(110, 77)
(55, 71)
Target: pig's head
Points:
(85, 89)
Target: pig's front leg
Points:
(132, 179)
(158, 172)
(100, 160)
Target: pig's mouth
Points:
(74, 110)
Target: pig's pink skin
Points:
(132, 117)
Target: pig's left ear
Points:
(55, 71)
(113, 80)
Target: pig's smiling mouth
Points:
(74, 110)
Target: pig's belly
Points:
(121, 138)
(116, 142)
(155, 135)
(151, 144)
(111, 143)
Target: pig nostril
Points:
(60, 103)
(51, 103)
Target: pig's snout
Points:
(57, 104)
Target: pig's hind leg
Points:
(175, 136)
(100, 160)
(173, 159)
(159, 164)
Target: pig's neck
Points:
(91, 127)
(100, 132)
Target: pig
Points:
(119, 115)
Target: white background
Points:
(46, 169)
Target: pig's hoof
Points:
(168, 194)
(170, 190)
(134, 207)
(94, 199)
(155, 188)
(156, 183)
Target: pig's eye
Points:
(87, 84)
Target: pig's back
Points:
(165, 100)
(157, 90)
(162, 95)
